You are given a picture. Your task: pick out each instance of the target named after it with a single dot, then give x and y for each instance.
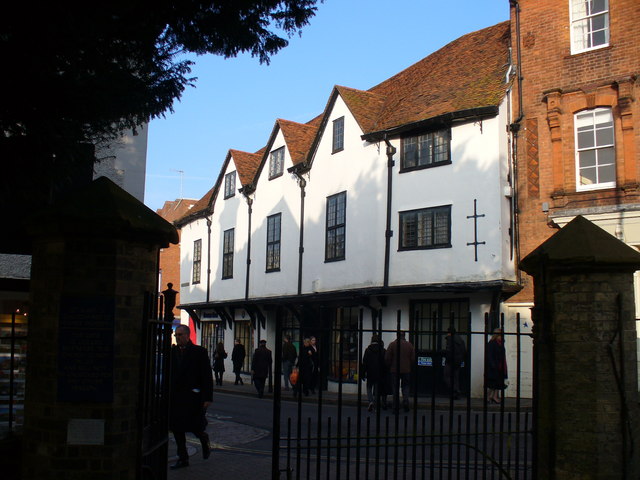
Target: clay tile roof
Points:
(174, 209)
(246, 165)
(364, 106)
(298, 137)
(466, 73)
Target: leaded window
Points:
(276, 163)
(336, 227)
(427, 150)
(338, 134)
(273, 242)
(425, 228)
(229, 184)
(197, 261)
(227, 253)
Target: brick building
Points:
(170, 256)
(576, 120)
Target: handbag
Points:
(293, 377)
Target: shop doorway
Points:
(429, 324)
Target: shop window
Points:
(344, 348)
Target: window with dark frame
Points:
(273, 242)
(227, 254)
(229, 185)
(197, 261)
(425, 228)
(338, 134)
(428, 150)
(344, 347)
(336, 227)
(276, 163)
(244, 332)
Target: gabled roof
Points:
(464, 78)
(465, 74)
(200, 209)
(246, 165)
(365, 107)
(298, 137)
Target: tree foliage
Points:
(77, 74)
(86, 70)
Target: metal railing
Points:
(333, 435)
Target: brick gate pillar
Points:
(95, 256)
(585, 367)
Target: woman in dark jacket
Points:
(237, 358)
(218, 362)
(374, 370)
(495, 369)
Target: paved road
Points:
(240, 431)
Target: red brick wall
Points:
(556, 85)
(170, 257)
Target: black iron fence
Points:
(13, 364)
(154, 391)
(337, 434)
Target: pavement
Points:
(231, 455)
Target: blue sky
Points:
(355, 43)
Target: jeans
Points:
(372, 393)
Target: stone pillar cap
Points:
(581, 244)
(103, 209)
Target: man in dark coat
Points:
(375, 372)
(400, 358)
(191, 394)
(454, 354)
(261, 366)
(237, 358)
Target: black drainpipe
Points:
(250, 211)
(303, 183)
(208, 258)
(391, 150)
(514, 129)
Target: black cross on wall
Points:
(475, 217)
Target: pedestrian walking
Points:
(261, 364)
(495, 369)
(219, 355)
(374, 371)
(454, 354)
(289, 355)
(400, 357)
(237, 358)
(305, 369)
(315, 364)
(191, 393)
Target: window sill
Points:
(330, 260)
(431, 247)
(423, 167)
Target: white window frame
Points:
(582, 28)
(597, 148)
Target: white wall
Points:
(279, 195)
(360, 170)
(476, 173)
